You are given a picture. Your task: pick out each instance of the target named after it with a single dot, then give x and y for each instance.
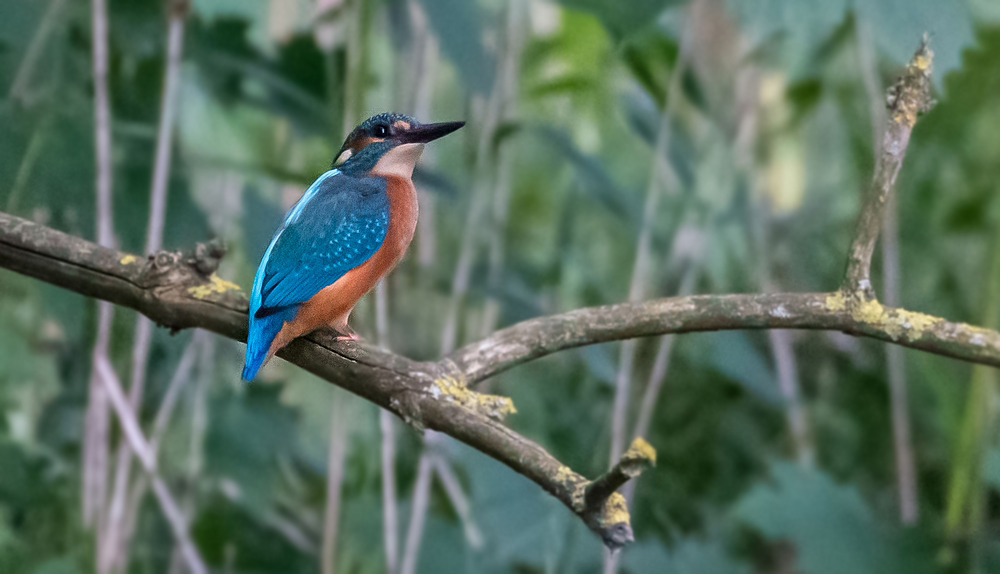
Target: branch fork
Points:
(180, 291)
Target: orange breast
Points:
(332, 306)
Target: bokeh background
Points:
(614, 150)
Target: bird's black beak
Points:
(428, 132)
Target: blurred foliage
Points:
(261, 115)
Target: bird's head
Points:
(388, 144)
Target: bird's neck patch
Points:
(399, 161)
(344, 156)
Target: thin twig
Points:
(390, 517)
(661, 178)
(661, 366)
(461, 277)
(788, 382)
(477, 206)
(425, 71)
(97, 427)
(639, 456)
(182, 374)
(102, 124)
(334, 480)
(453, 488)
(97, 423)
(640, 271)
(165, 130)
(906, 475)
(181, 377)
(353, 102)
(503, 172)
(143, 451)
(419, 73)
(418, 509)
(759, 229)
(18, 88)
(908, 98)
(36, 144)
(115, 545)
(390, 514)
(661, 363)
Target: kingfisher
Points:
(349, 229)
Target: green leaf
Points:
(253, 12)
(802, 24)
(56, 566)
(734, 356)
(593, 176)
(622, 21)
(460, 27)
(234, 537)
(897, 26)
(688, 555)
(247, 435)
(830, 525)
(991, 468)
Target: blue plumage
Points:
(340, 222)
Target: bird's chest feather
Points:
(402, 218)
(333, 304)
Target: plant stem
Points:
(354, 95)
(97, 422)
(906, 474)
(115, 545)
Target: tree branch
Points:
(909, 97)
(181, 291)
(639, 456)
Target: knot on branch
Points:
(910, 96)
(193, 272)
(206, 257)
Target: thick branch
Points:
(907, 99)
(836, 311)
(179, 291)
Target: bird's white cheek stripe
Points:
(343, 157)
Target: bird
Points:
(349, 229)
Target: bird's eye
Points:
(381, 130)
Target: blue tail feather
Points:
(259, 338)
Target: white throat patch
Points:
(399, 161)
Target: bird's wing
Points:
(339, 223)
